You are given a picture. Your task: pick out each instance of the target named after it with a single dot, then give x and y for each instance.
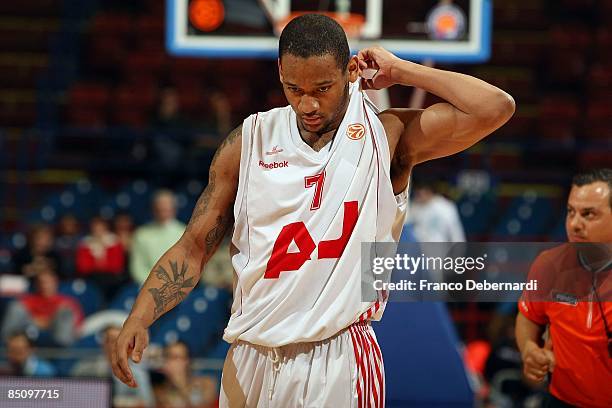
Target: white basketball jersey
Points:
(300, 219)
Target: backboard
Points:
(437, 30)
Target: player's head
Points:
(589, 207)
(315, 68)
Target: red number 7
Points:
(318, 180)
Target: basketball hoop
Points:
(351, 23)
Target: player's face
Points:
(317, 90)
(589, 216)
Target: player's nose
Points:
(308, 105)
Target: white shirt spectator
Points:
(436, 220)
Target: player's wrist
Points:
(135, 319)
(405, 73)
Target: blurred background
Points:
(105, 143)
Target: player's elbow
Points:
(500, 108)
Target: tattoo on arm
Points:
(171, 292)
(204, 200)
(216, 233)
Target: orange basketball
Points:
(446, 23)
(206, 15)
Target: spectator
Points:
(100, 366)
(22, 360)
(219, 270)
(435, 218)
(54, 316)
(66, 243)
(38, 250)
(100, 257)
(169, 141)
(123, 225)
(222, 110)
(180, 388)
(153, 239)
(168, 115)
(432, 218)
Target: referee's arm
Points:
(537, 361)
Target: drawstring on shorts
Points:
(275, 359)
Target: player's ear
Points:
(280, 71)
(353, 69)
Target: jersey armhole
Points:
(248, 128)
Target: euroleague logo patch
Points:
(355, 131)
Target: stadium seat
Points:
(124, 300)
(87, 293)
(198, 321)
(476, 212)
(527, 217)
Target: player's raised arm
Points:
(473, 108)
(178, 270)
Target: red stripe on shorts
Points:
(370, 376)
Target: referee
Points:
(577, 280)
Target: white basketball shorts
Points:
(345, 370)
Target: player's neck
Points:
(317, 140)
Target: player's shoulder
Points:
(272, 114)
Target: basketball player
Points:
(303, 186)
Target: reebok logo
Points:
(273, 165)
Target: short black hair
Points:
(593, 176)
(312, 35)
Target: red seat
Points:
(135, 118)
(134, 97)
(144, 62)
(86, 116)
(111, 23)
(107, 51)
(559, 108)
(567, 36)
(91, 95)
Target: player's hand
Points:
(538, 361)
(378, 62)
(131, 343)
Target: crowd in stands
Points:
(111, 255)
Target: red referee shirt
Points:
(583, 372)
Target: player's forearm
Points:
(172, 278)
(468, 94)
(527, 333)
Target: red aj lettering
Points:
(283, 261)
